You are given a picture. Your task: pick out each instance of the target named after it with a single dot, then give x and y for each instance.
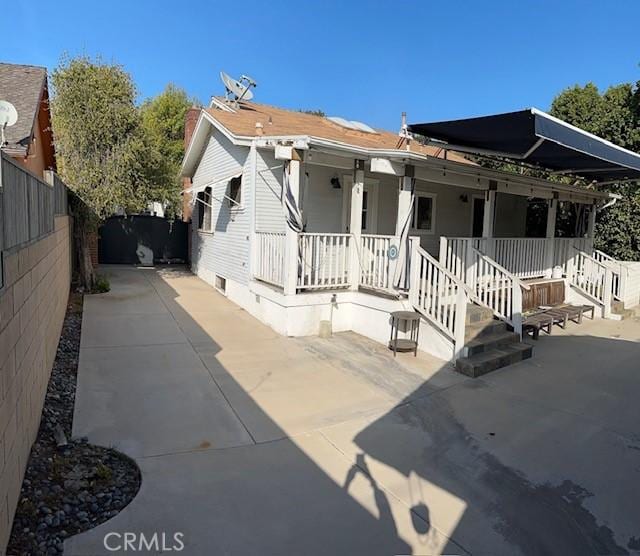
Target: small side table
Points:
(413, 324)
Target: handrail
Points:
(438, 295)
(501, 268)
(604, 256)
(444, 271)
(591, 258)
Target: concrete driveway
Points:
(253, 443)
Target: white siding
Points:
(269, 213)
(321, 203)
(225, 251)
(387, 204)
(453, 216)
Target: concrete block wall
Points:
(33, 302)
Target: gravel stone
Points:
(67, 489)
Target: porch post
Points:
(591, 226)
(489, 220)
(404, 219)
(355, 224)
(550, 244)
(291, 236)
(404, 200)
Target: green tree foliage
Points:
(615, 116)
(317, 112)
(102, 152)
(163, 119)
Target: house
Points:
(30, 140)
(310, 222)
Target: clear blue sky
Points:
(361, 60)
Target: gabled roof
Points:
(280, 122)
(22, 86)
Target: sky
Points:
(367, 61)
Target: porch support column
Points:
(291, 236)
(400, 267)
(489, 209)
(591, 225)
(355, 224)
(405, 204)
(550, 244)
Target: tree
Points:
(102, 152)
(615, 116)
(163, 119)
(317, 112)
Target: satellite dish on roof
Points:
(8, 117)
(239, 88)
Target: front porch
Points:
(428, 258)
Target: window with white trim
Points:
(204, 210)
(424, 213)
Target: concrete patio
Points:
(250, 442)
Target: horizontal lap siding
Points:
(224, 252)
(269, 213)
(453, 216)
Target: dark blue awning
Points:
(537, 138)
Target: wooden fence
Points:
(27, 206)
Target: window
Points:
(424, 213)
(235, 192)
(221, 283)
(204, 210)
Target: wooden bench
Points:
(559, 314)
(574, 313)
(537, 322)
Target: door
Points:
(477, 216)
(369, 205)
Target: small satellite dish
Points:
(239, 88)
(8, 117)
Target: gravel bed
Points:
(72, 487)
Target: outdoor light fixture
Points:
(335, 182)
(464, 198)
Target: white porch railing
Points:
(323, 260)
(522, 257)
(495, 287)
(439, 295)
(616, 270)
(592, 277)
(376, 268)
(564, 249)
(269, 257)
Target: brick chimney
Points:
(190, 121)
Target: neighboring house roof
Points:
(24, 87)
(280, 122)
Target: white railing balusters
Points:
(269, 253)
(439, 295)
(323, 261)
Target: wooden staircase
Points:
(490, 344)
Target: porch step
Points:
(486, 342)
(477, 313)
(493, 359)
(484, 328)
(617, 308)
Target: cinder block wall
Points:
(33, 302)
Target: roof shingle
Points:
(22, 86)
(278, 121)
